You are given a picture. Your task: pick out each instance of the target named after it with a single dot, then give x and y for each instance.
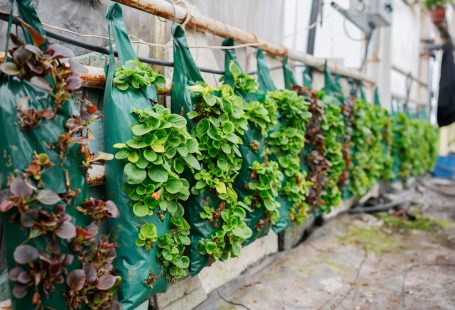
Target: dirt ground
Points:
(360, 261)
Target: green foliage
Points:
(243, 82)
(295, 188)
(261, 114)
(137, 75)
(228, 240)
(265, 177)
(414, 146)
(266, 180)
(387, 142)
(332, 125)
(368, 151)
(221, 119)
(286, 145)
(147, 236)
(156, 156)
(293, 109)
(171, 248)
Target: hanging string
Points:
(137, 40)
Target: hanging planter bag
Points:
(134, 264)
(307, 79)
(18, 146)
(289, 79)
(252, 150)
(266, 84)
(216, 117)
(183, 101)
(334, 135)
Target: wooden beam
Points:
(165, 9)
(95, 78)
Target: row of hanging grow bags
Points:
(193, 184)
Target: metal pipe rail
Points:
(166, 9)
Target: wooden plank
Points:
(95, 78)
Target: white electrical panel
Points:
(370, 13)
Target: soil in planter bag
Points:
(253, 134)
(133, 264)
(17, 147)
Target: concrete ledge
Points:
(220, 273)
(190, 292)
(292, 236)
(182, 295)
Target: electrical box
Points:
(368, 14)
(371, 13)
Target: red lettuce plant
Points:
(42, 211)
(347, 109)
(317, 164)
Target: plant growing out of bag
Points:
(137, 75)
(266, 176)
(408, 133)
(43, 265)
(286, 144)
(333, 129)
(367, 146)
(266, 180)
(243, 82)
(156, 156)
(315, 160)
(44, 70)
(220, 119)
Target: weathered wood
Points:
(95, 78)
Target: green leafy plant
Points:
(333, 129)
(156, 156)
(228, 240)
(296, 188)
(367, 156)
(386, 123)
(264, 177)
(243, 82)
(266, 181)
(286, 145)
(172, 247)
(409, 133)
(220, 119)
(137, 75)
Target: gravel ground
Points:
(359, 262)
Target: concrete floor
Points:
(357, 262)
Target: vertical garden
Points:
(185, 186)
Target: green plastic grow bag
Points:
(133, 264)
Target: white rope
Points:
(140, 41)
